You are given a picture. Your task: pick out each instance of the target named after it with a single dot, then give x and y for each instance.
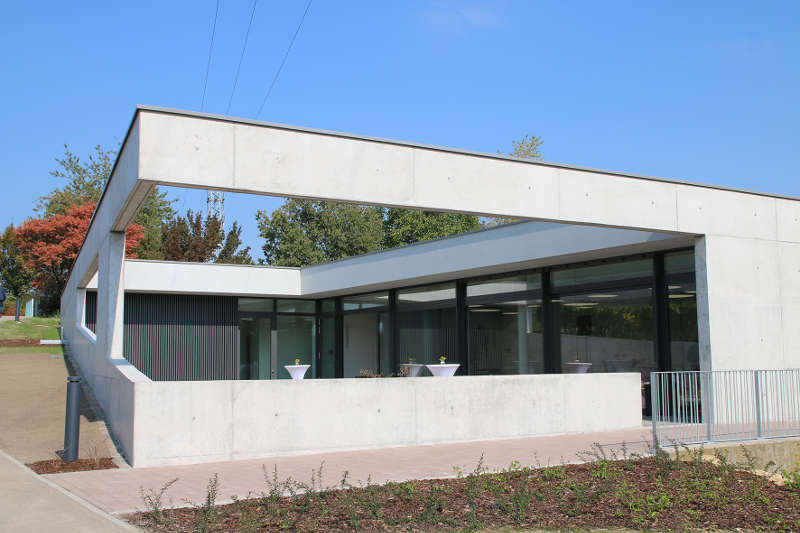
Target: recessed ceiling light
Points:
(603, 295)
(676, 296)
(484, 310)
(510, 313)
(673, 287)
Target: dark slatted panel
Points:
(172, 337)
(90, 310)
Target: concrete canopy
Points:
(747, 244)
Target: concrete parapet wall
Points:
(191, 422)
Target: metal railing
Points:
(725, 405)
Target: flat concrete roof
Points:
(276, 125)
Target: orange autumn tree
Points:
(50, 245)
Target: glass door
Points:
(255, 347)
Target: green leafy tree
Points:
(198, 240)
(306, 232)
(525, 148)
(16, 277)
(85, 183)
(407, 226)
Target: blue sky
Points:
(708, 92)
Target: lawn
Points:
(29, 328)
(45, 349)
(652, 493)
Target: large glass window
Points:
(296, 340)
(612, 330)
(682, 302)
(426, 324)
(506, 337)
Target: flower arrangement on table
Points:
(297, 361)
(412, 360)
(442, 360)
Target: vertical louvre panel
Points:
(172, 337)
(90, 311)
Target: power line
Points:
(283, 62)
(241, 57)
(208, 64)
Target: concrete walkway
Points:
(29, 503)
(117, 491)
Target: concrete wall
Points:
(188, 422)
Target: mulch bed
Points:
(644, 493)
(57, 466)
(19, 342)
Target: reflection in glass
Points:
(296, 340)
(506, 338)
(613, 330)
(256, 305)
(328, 348)
(254, 348)
(296, 306)
(426, 334)
(365, 301)
(360, 344)
(441, 295)
(679, 262)
(516, 283)
(642, 268)
(683, 326)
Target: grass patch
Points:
(653, 493)
(29, 328)
(44, 349)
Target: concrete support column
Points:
(701, 286)
(111, 296)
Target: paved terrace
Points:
(117, 491)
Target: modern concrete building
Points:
(629, 273)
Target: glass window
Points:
(517, 283)
(329, 305)
(328, 348)
(612, 331)
(365, 301)
(679, 262)
(642, 268)
(256, 305)
(360, 344)
(684, 349)
(296, 340)
(506, 338)
(425, 335)
(297, 306)
(254, 348)
(444, 293)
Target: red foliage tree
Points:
(50, 245)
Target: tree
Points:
(306, 232)
(525, 148)
(85, 183)
(193, 239)
(407, 226)
(15, 276)
(50, 245)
